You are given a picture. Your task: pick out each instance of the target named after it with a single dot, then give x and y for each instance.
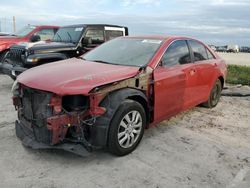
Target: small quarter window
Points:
(113, 34)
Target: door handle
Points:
(158, 83)
(192, 72)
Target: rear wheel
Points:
(126, 128)
(214, 95)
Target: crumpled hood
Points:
(74, 76)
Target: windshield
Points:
(25, 31)
(68, 34)
(125, 51)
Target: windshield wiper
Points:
(81, 58)
(106, 62)
(100, 61)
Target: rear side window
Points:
(177, 53)
(199, 51)
(97, 35)
(113, 34)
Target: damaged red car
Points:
(106, 98)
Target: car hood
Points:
(8, 39)
(74, 76)
(48, 46)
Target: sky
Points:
(218, 22)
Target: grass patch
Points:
(238, 74)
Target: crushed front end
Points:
(46, 120)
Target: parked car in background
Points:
(29, 33)
(213, 47)
(69, 41)
(233, 48)
(245, 49)
(221, 49)
(107, 97)
(4, 34)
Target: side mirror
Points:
(35, 38)
(86, 41)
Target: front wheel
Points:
(214, 96)
(126, 128)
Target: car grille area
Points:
(17, 55)
(35, 111)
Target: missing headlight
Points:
(75, 103)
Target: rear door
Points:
(172, 81)
(205, 64)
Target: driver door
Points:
(171, 80)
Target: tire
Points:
(4, 56)
(214, 96)
(6, 61)
(130, 133)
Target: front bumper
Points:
(28, 139)
(10, 70)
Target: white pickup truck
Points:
(233, 48)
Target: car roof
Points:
(161, 37)
(44, 25)
(86, 25)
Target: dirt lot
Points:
(236, 58)
(199, 148)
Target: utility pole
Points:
(5, 21)
(14, 24)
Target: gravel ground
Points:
(198, 148)
(236, 58)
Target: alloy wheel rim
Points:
(129, 129)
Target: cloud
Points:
(140, 2)
(215, 21)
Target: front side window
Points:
(125, 51)
(46, 34)
(96, 35)
(199, 50)
(177, 53)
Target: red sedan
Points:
(107, 97)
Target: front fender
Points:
(99, 131)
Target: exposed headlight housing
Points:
(15, 88)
